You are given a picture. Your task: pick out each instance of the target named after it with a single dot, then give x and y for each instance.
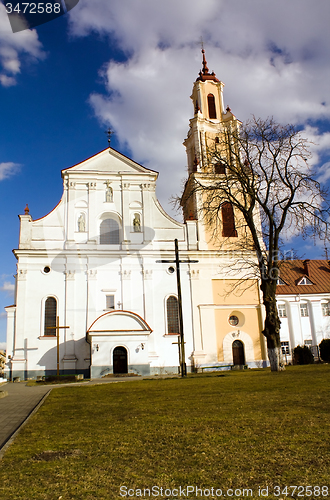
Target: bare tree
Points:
(261, 169)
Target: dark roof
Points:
(291, 271)
(204, 74)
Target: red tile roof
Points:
(291, 271)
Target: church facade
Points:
(92, 293)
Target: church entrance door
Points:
(120, 360)
(238, 353)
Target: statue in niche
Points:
(81, 223)
(137, 223)
(109, 193)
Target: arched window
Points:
(50, 317)
(109, 232)
(172, 315)
(228, 221)
(211, 105)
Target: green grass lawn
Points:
(235, 430)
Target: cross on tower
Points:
(109, 133)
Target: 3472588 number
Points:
(33, 8)
(301, 491)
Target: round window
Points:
(233, 320)
(171, 270)
(46, 269)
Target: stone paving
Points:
(17, 406)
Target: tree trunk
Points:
(272, 327)
(276, 359)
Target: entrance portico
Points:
(119, 344)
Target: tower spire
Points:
(204, 73)
(205, 70)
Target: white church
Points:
(90, 270)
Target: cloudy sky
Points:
(130, 65)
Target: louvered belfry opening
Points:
(50, 317)
(109, 232)
(228, 220)
(220, 168)
(172, 315)
(211, 106)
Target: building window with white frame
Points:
(109, 232)
(50, 317)
(281, 310)
(285, 346)
(304, 310)
(172, 311)
(325, 309)
(110, 302)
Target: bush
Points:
(302, 356)
(325, 350)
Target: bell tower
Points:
(209, 122)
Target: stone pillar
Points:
(67, 334)
(25, 233)
(148, 232)
(148, 299)
(126, 295)
(91, 295)
(18, 361)
(315, 319)
(70, 213)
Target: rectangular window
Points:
(308, 343)
(110, 302)
(325, 309)
(285, 347)
(303, 310)
(281, 310)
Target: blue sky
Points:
(131, 65)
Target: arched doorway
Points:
(238, 353)
(120, 360)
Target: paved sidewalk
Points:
(17, 406)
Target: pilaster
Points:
(126, 223)
(92, 200)
(147, 189)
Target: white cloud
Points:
(14, 47)
(7, 169)
(8, 287)
(3, 346)
(273, 57)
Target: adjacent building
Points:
(303, 296)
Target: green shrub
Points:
(302, 355)
(325, 349)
